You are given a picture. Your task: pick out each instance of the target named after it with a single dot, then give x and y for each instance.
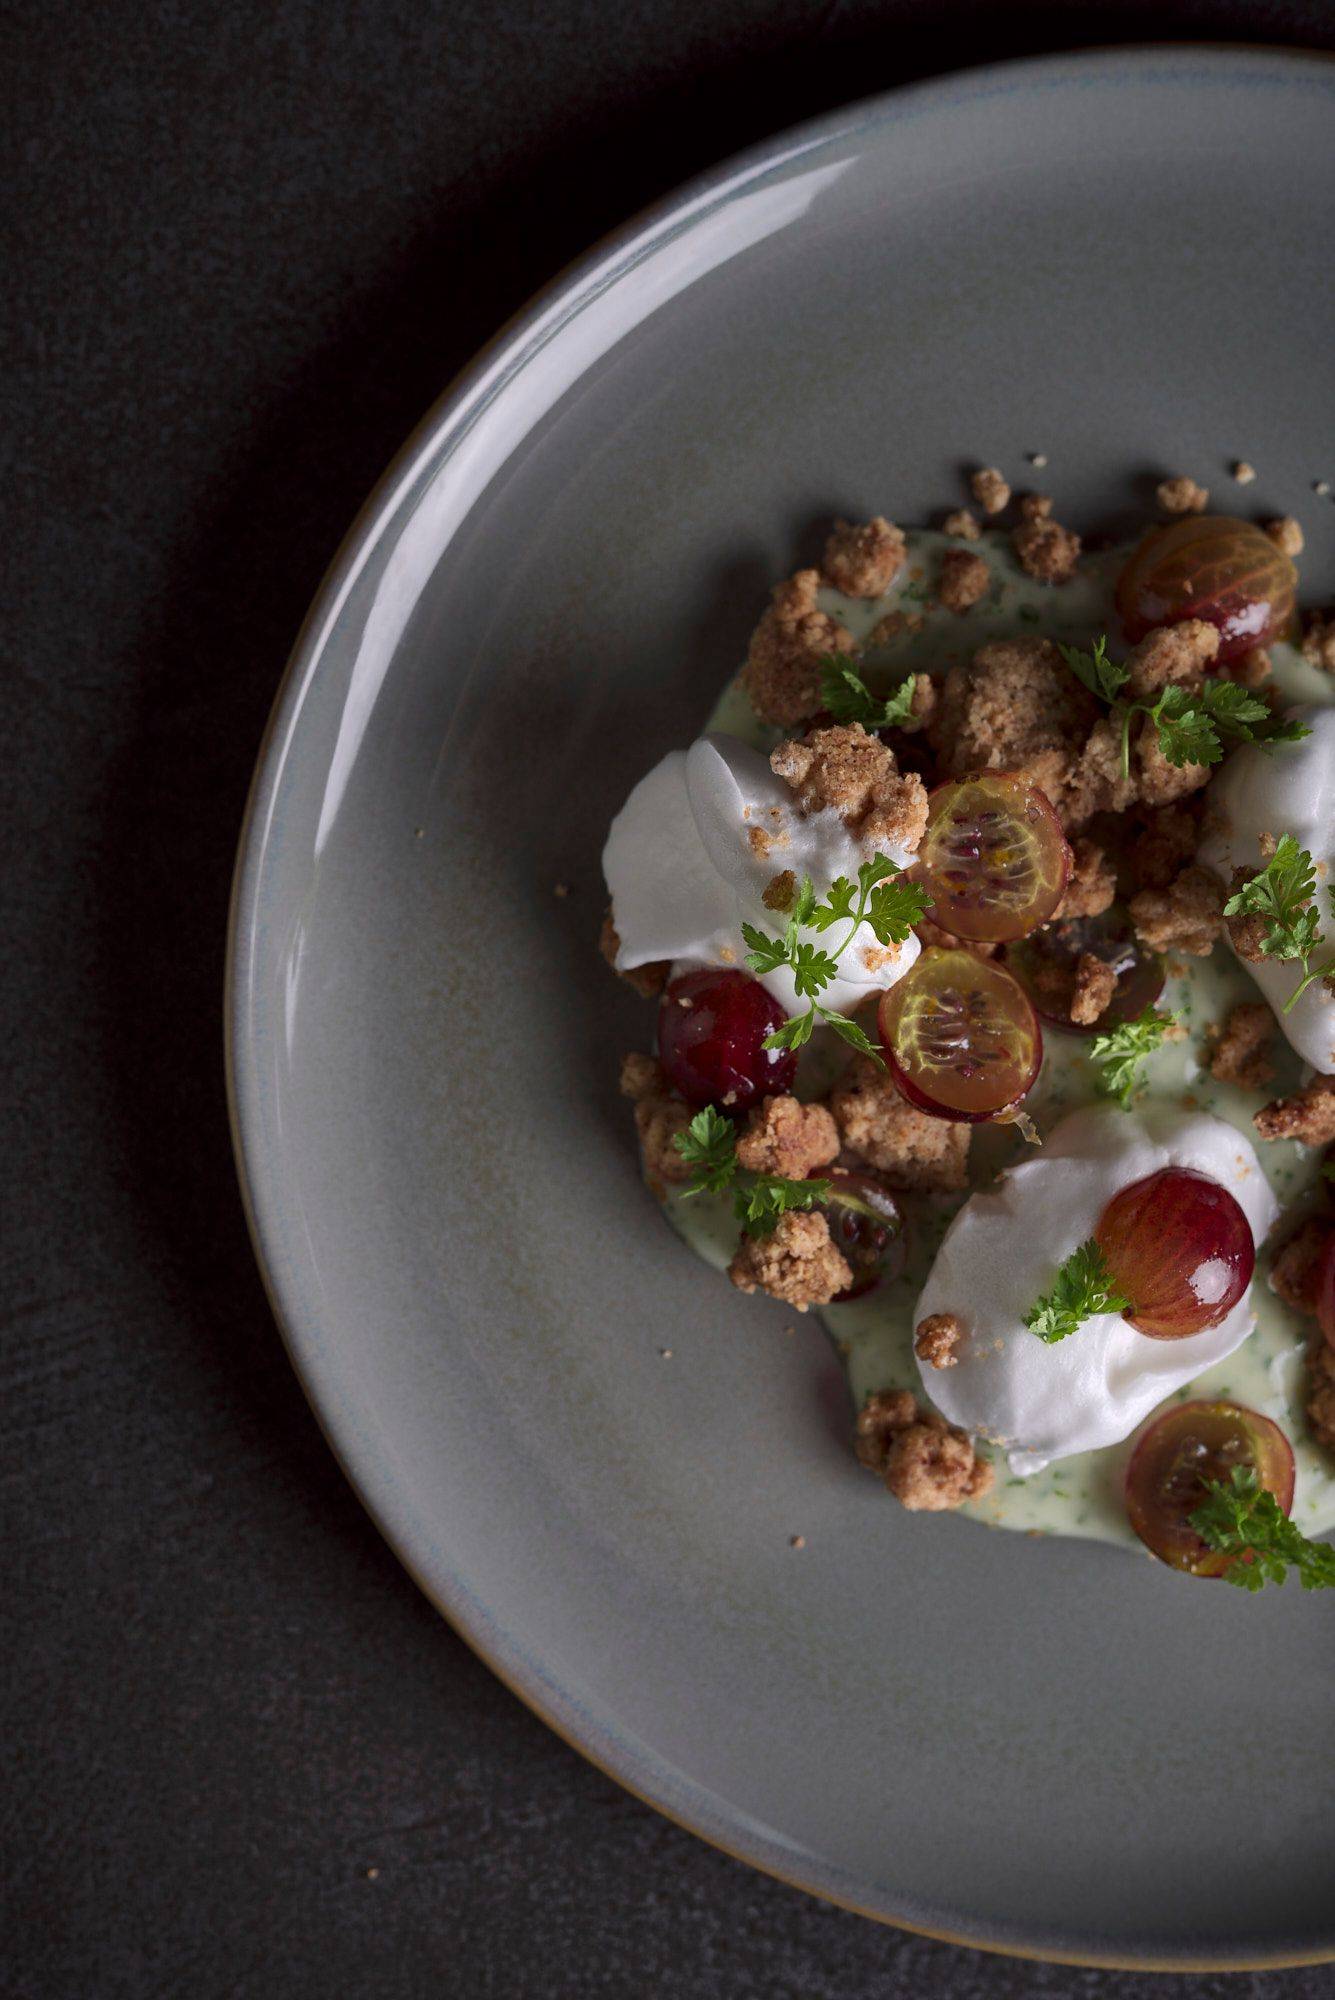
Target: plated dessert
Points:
(991, 933)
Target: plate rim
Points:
(465, 398)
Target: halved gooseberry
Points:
(994, 856)
(867, 1225)
(1210, 566)
(960, 1036)
(1168, 1469)
(1045, 965)
(1180, 1248)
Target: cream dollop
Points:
(1002, 1251)
(698, 842)
(1287, 790)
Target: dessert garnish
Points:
(1119, 1053)
(1192, 724)
(849, 699)
(1282, 894)
(1082, 1289)
(709, 1146)
(1241, 1519)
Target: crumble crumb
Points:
(924, 699)
(962, 523)
(648, 980)
(1246, 929)
(797, 1541)
(1319, 640)
(1038, 459)
(1250, 670)
(856, 775)
(1187, 916)
(797, 1263)
(989, 489)
(910, 1148)
(1182, 496)
(1241, 1055)
(788, 1138)
(925, 1462)
(964, 580)
(780, 891)
(1092, 887)
(1165, 841)
(1181, 654)
(1286, 534)
(1095, 984)
(1321, 1392)
(659, 1121)
(864, 560)
(560, 890)
(1293, 1275)
(782, 671)
(1035, 506)
(937, 1338)
(1047, 551)
(931, 933)
(1308, 1116)
(1018, 708)
(1243, 472)
(643, 1076)
(1157, 782)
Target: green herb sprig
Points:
(1193, 724)
(888, 906)
(709, 1145)
(1283, 893)
(1083, 1288)
(1120, 1051)
(848, 698)
(1241, 1518)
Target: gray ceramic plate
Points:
(1049, 1747)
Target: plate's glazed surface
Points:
(1042, 1745)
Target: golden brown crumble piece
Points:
(845, 769)
(1165, 841)
(1241, 1055)
(648, 980)
(925, 1462)
(1286, 534)
(963, 524)
(643, 1076)
(937, 1338)
(1017, 708)
(1243, 472)
(1246, 929)
(1294, 1273)
(1308, 1116)
(965, 578)
(925, 696)
(1187, 916)
(1321, 1391)
(797, 1263)
(780, 891)
(1157, 782)
(930, 933)
(659, 1121)
(1047, 551)
(782, 671)
(1250, 670)
(788, 1138)
(989, 489)
(1035, 506)
(1182, 496)
(1095, 984)
(1319, 640)
(863, 560)
(1182, 654)
(1092, 887)
(911, 1149)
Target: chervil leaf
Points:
(767, 954)
(708, 1145)
(804, 904)
(848, 698)
(1082, 1289)
(1242, 716)
(766, 1197)
(812, 969)
(793, 1032)
(1239, 1517)
(1121, 1050)
(894, 908)
(1186, 733)
(849, 1031)
(837, 907)
(1282, 894)
(1102, 676)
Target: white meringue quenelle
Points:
(1002, 1252)
(691, 853)
(1290, 789)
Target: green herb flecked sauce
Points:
(1080, 1495)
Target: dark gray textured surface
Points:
(250, 246)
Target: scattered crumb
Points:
(1241, 1054)
(1293, 1275)
(989, 489)
(1319, 640)
(1182, 496)
(784, 1137)
(782, 671)
(937, 1338)
(961, 523)
(1047, 551)
(373, 1874)
(1308, 1116)
(863, 561)
(1092, 887)
(560, 890)
(648, 980)
(665, 1354)
(1321, 486)
(1038, 459)
(925, 1462)
(964, 580)
(1286, 534)
(1243, 473)
(1095, 984)
(797, 1263)
(797, 1541)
